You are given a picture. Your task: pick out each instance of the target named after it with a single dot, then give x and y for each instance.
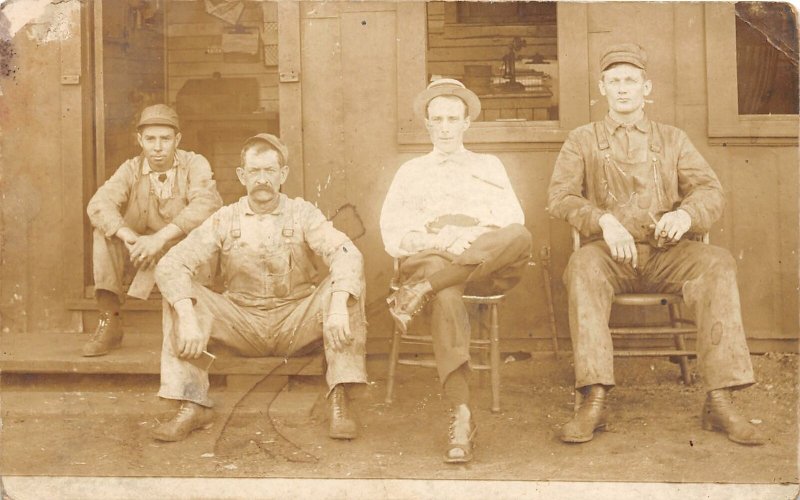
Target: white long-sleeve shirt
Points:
(427, 187)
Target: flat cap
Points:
(272, 140)
(448, 86)
(630, 53)
(159, 114)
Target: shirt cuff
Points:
(112, 228)
(345, 285)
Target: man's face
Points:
(159, 143)
(447, 123)
(262, 175)
(625, 88)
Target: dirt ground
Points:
(655, 432)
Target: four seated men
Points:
(633, 187)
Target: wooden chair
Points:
(677, 328)
(486, 345)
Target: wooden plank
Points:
(467, 31)
(194, 42)
(227, 69)
(139, 354)
(492, 54)
(436, 42)
(205, 29)
(290, 93)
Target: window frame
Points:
(573, 58)
(724, 120)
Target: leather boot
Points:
(720, 415)
(591, 416)
(342, 424)
(407, 301)
(107, 335)
(190, 417)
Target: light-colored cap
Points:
(448, 86)
(630, 53)
(274, 141)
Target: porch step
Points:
(140, 354)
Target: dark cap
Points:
(272, 140)
(630, 53)
(159, 114)
(448, 86)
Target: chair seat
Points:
(647, 299)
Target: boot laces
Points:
(102, 323)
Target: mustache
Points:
(263, 187)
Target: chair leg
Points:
(394, 355)
(483, 334)
(680, 344)
(494, 353)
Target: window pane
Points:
(506, 52)
(766, 58)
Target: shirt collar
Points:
(642, 125)
(440, 157)
(244, 206)
(146, 169)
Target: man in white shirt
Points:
(452, 219)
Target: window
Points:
(750, 99)
(766, 58)
(505, 52)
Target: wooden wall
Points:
(351, 157)
(133, 77)
(195, 51)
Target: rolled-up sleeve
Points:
(202, 246)
(343, 259)
(565, 196)
(698, 185)
(106, 206)
(202, 197)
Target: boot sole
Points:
(173, 439)
(708, 426)
(103, 353)
(585, 438)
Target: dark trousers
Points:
(705, 274)
(499, 257)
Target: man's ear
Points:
(240, 175)
(178, 137)
(284, 173)
(602, 87)
(648, 87)
(467, 122)
(139, 139)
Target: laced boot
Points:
(407, 301)
(107, 335)
(462, 432)
(190, 417)
(342, 424)
(720, 415)
(591, 416)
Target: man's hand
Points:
(465, 239)
(127, 235)
(446, 237)
(145, 250)
(673, 225)
(620, 242)
(190, 341)
(337, 325)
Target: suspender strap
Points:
(236, 224)
(602, 137)
(655, 138)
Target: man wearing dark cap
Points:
(273, 303)
(636, 189)
(452, 220)
(151, 202)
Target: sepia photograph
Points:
(399, 249)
